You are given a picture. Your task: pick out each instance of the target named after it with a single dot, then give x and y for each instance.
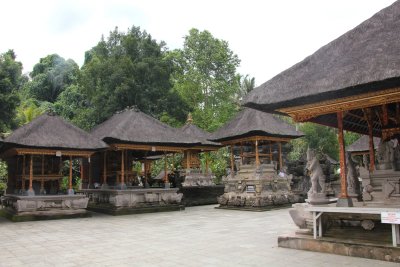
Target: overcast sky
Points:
(268, 36)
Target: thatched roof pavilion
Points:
(361, 145)
(191, 155)
(52, 132)
(142, 135)
(352, 83)
(48, 137)
(249, 123)
(252, 126)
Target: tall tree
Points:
(50, 77)
(206, 78)
(129, 69)
(10, 83)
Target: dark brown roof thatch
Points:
(367, 58)
(199, 134)
(48, 131)
(362, 144)
(250, 122)
(132, 126)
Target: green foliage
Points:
(206, 79)
(50, 77)
(10, 83)
(128, 69)
(27, 111)
(322, 138)
(350, 138)
(218, 160)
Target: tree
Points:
(206, 78)
(247, 84)
(129, 69)
(50, 77)
(10, 83)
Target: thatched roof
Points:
(135, 127)
(365, 59)
(250, 122)
(362, 144)
(192, 130)
(49, 131)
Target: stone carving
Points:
(196, 178)
(353, 184)
(367, 224)
(385, 155)
(317, 176)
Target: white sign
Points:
(58, 153)
(391, 217)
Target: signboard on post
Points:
(391, 217)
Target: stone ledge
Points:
(112, 210)
(381, 252)
(44, 215)
(257, 209)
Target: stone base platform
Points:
(256, 209)
(45, 215)
(112, 210)
(201, 195)
(381, 250)
(133, 201)
(49, 207)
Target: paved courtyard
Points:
(197, 236)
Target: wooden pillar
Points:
(385, 116)
(187, 159)
(232, 162)
(70, 173)
(42, 180)
(270, 151)
(122, 167)
(165, 168)
(31, 173)
(241, 152)
(207, 154)
(370, 123)
(342, 157)
(90, 173)
(23, 173)
(105, 167)
(81, 173)
(280, 156)
(257, 156)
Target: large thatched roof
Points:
(49, 131)
(365, 59)
(135, 127)
(192, 130)
(250, 122)
(362, 144)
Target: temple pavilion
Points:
(134, 136)
(198, 186)
(257, 179)
(39, 155)
(353, 84)
(194, 175)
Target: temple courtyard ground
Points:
(197, 236)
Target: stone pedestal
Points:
(319, 199)
(344, 202)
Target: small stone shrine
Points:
(257, 181)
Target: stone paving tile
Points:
(197, 236)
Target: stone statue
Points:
(353, 185)
(317, 176)
(385, 155)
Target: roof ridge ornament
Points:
(189, 118)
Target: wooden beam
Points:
(368, 117)
(257, 157)
(258, 137)
(70, 173)
(306, 112)
(23, 173)
(122, 168)
(280, 156)
(31, 173)
(165, 168)
(232, 162)
(105, 167)
(342, 157)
